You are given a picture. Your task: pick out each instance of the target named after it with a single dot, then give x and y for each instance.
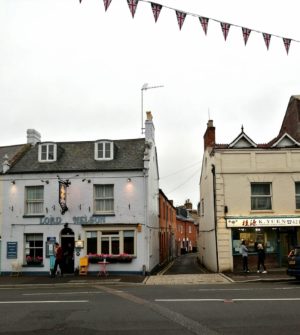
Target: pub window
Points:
(297, 191)
(110, 242)
(104, 199)
(91, 242)
(261, 197)
(104, 150)
(34, 200)
(128, 243)
(34, 249)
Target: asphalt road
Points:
(185, 264)
(260, 308)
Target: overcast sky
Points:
(75, 72)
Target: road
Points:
(260, 308)
(185, 264)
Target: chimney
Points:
(188, 204)
(149, 127)
(209, 136)
(33, 136)
(5, 164)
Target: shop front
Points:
(277, 234)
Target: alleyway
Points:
(185, 264)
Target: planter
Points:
(123, 258)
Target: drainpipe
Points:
(213, 171)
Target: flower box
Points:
(34, 261)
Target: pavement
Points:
(273, 275)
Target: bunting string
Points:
(225, 26)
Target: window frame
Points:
(38, 251)
(297, 195)
(48, 157)
(104, 157)
(268, 197)
(33, 201)
(105, 211)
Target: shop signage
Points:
(62, 195)
(262, 222)
(50, 220)
(12, 250)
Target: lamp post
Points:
(144, 88)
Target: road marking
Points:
(227, 300)
(61, 293)
(43, 301)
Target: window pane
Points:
(129, 242)
(100, 150)
(34, 199)
(51, 152)
(115, 245)
(104, 201)
(34, 249)
(105, 245)
(297, 186)
(107, 150)
(260, 189)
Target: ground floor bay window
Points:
(111, 241)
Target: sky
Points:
(74, 72)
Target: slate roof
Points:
(79, 157)
(13, 152)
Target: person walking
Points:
(58, 260)
(261, 259)
(244, 252)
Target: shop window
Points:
(297, 191)
(128, 242)
(104, 199)
(34, 249)
(91, 242)
(47, 152)
(34, 201)
(110, 243)
(261, 198)
(104, 150)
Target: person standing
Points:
(261, 258)
(58, 259)
(244, 252)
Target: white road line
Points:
(43, 301)
(60, 293)
(226, 300)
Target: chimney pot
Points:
(33, 136)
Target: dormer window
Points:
(47, 152)
(104, 150)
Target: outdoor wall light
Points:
(129, 180)
(84, 179)
(45, 181)
(13, 182)
(79, 244)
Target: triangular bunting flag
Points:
(132, 6)
(287, 43)
(180, 18)
(225, 28)
(246, 34)
(80, 1)
(204, 23)
(106, 4)
(267, 38)
(156, 8)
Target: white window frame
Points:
(48, 158)
(105, 211)
(297, 196)
(107, 155)
(33, 201)
(262, 196)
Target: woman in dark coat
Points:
(261, 258)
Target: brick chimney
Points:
(33, 136)
(188, 204)
(209, 136)
(149, 127)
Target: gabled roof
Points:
(79, 156)
(242, 141)
(286, 141)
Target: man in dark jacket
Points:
(58, 259)
(261, 258)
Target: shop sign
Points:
(262, 222)
(80, 220)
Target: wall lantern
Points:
(79, 244)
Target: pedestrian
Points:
(58, 259)
(244, 252)
(261, 259)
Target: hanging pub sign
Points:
(62, 196)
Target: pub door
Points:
(67, 244)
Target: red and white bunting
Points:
(225, 28)
(132, 6)
(204, 23)
(246, 34)
(180, 18)
(106, 4)
(156, 8)
(287, 43)
(267, 39)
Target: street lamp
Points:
(144, 88)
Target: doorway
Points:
(287, 240)
(67, 244)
